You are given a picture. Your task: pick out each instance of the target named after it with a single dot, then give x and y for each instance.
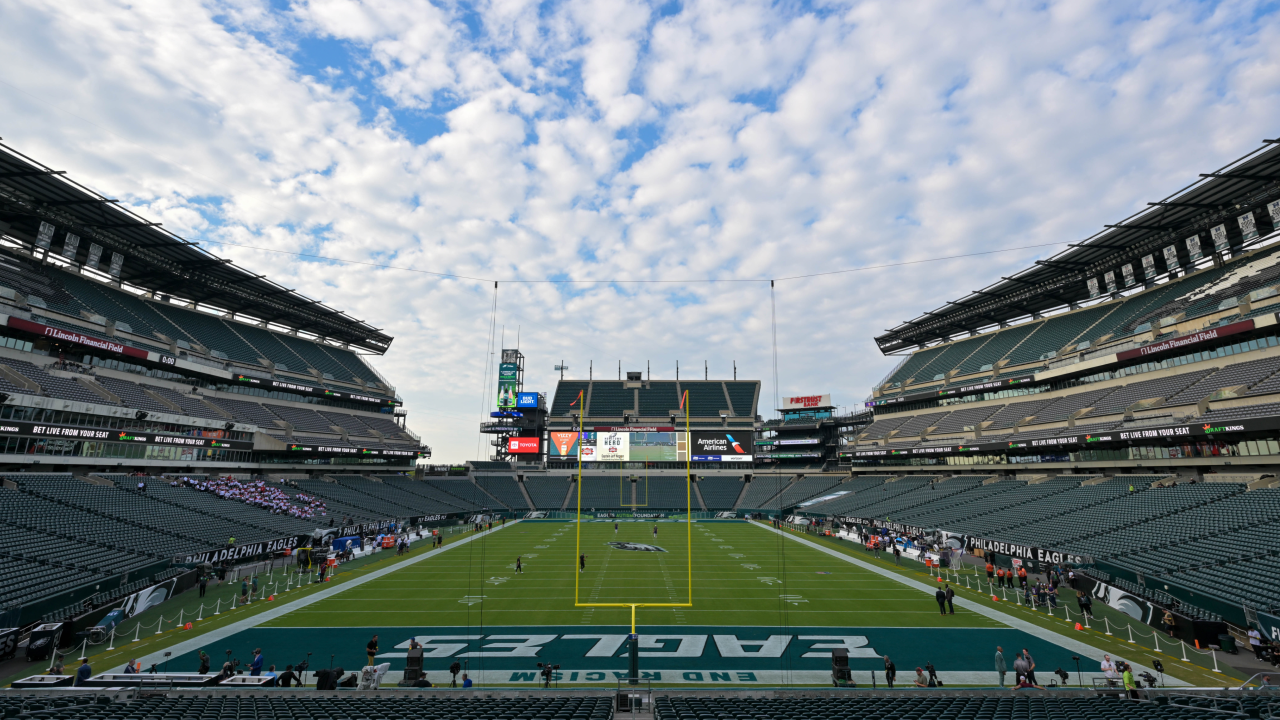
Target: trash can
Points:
(1227, 643)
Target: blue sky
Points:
(630, 140)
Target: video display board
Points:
(722, 446)
(508, 382)
(619, 446)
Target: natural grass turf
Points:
(741, 577)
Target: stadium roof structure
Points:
(158, 260)
(1218, 197)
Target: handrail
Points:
(1252, 678)
(1214, 707)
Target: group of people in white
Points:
(259, 493)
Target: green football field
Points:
(768, 607)
(742, 575)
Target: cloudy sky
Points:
(624, 140)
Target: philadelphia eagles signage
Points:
(709, 655)
(239, 552)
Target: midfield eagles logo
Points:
(639, 547)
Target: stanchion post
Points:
(200, 612)
(84, 649)
(1215, 660)
(1107, 622)
(159, 624)
(181, 614)
(1184, 651)
(111, 642)
(1155, 636)
(218, 609)
(137, 629)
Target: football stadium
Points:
(1062, 502)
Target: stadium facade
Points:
(126, 348)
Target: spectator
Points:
(897, 554)
(941, 597)
(83, 673)
(130, 668)
(204, 663)
(1170, 623)
(1085, 602)
(1000, 668)
(271, 673)
(1255, 642)
(254, 588)
(921, 681)
(951, 596)
(1031, 665)
(466, 681)
(204, 583)
(1019, 667)
(372, 649)
(57, 668)
(286, 678)
(244, 592)
(890, 671)
(255, 667)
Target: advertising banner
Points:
(523, 445)
(1186, 341)
(721, 446)
(1248, 227)
(75, 337)
(800, 402)
(1149, 267)
(613, 446)
(64, 432)
(563, 445)
(342, 450)
(1220, 242)
(527, 400)
(508, 377)
(973, 389)
(291, 387)
(239, 552)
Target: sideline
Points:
(198, 641)
(1084, 650)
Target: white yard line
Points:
(204, 639)
(1082, 649)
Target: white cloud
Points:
(617, 138)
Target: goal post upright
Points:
(688, 520)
